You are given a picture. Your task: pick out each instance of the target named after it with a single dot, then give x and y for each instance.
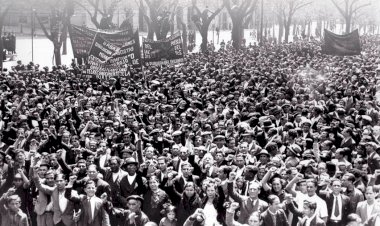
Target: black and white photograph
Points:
(189, 112)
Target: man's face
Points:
(311, 188)
(240, 161)
(14, 205)
(133, 205)
(162, 165)
(90, 189)
(132, 168)
(50, 179)
(114, 165)
(183, 154)
(186, 171)
(41, 171)
(61, 183)
(254, 190)
(337, 187)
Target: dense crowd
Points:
(276, 134)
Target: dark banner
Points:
(341, 45)
(82, 38)
(107, 60)
(167, 51)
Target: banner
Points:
(107, 60)
(341, 45)
(167, 51)
(82, 39)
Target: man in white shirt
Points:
(369, 207)
(321, 210)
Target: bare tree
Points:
(286, 10)
(5, 6)
(105, 8)
(60, 15)
(239, 14)
(348, 8)
(161, 17)
(202, 21)
(127, 22)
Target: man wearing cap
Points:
(132, 183)
(133, 216)
(219, 140)
(113, 177)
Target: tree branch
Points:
(339, 8)
(43, 28)
(359, 7)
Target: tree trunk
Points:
(1, 51)
(64, 50)
(1, 46)
(280, 30)
(57, 54)
(204, 34)
(237, 30)
(184, 38)
(287, 31)
(348, 24)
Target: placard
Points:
(167, 51)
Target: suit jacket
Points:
(316, 221)
(136, 188)
(246, 206)
(21, 219)
(361, 210)
(42, 202)
(350, 143)
(115, 186)
(179, 182)
(141, 218)
(66, 216)
(191, 160)
(281, 219)
(100, 217)
(154, 203)
(373, 162)
(346, 210)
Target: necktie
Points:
(336, 211)
(90, 207)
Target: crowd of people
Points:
(276, 134)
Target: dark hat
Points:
(154, 132)
(268, 124)
(219, 137)
(295, 149)
(263, 152)
(130, 160)
(135, 197)
(177, 133)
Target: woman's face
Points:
(189, 191)
(254, 221)
(276, 185)
(171, 216)
(153, 184)
(306, 210)
(210, 192)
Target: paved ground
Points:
(43, 48)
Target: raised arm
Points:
(37, 181)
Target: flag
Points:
(341, 45)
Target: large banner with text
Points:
(166, 51)
(107, 60)
(83, 37)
